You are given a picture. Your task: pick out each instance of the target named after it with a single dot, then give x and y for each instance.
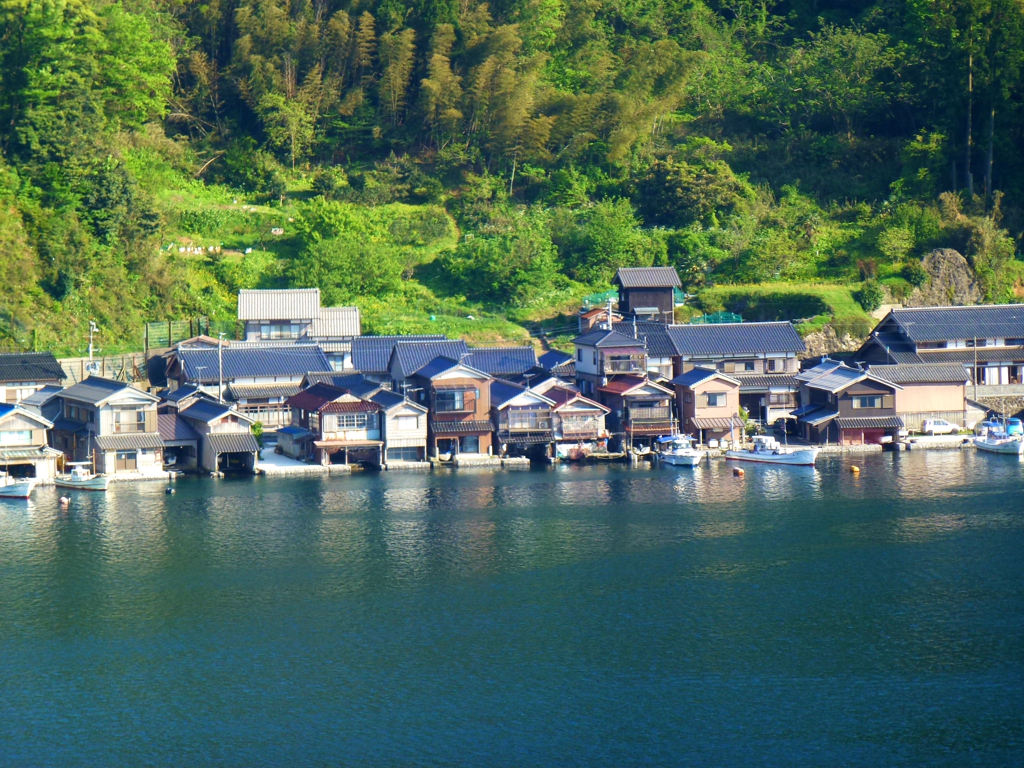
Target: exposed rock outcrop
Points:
(827, 342)
(951, 281)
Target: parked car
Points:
(1014, 427)
(939, 427)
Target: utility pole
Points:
(220, 367)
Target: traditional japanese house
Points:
(846, 405)
(603, 354)
(522, 420)
(929, 391)
(226, 442)
(709, 404)
(502, 362)
(405, 430)
(578, 422)
(111, 424)
(343, 428)
(763, 357)
(408, 357)
(23, 444)
(987, 340)
(641, 410)
(647, 292)
(22, 373)
(459, 399)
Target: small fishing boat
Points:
(679, 450)
(997, 441)
(81, 476)
(16, 488)
(768, 450)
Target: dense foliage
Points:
(149, 147)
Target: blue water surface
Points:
(570, 616)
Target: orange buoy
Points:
(855, 469)
(737, 472)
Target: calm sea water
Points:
(597, 616)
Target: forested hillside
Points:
(437, 159)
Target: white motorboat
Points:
(768, 450)
(81, 476)
(679, 450)
(997, 441)
(14, 488)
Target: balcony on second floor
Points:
(624, 364)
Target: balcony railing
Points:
(624, 366)
(527, 425)
(637, 415)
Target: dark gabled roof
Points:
(351, 406)
(96, 389)
(436, 366)
(129, 441)
(653, 335)
(555, 358)
(605, 339)
(941, 323)
(921, 373)
(724, 339)
(697, 375)
(203, 365)
(647, 277)
(42, 396)
(869, 422)
(206, 410)
(173, 428)
(759, 382)
(262, 391)
(502, 391)
(314, 397)
(30, 366)
(409, 356)
(179, 394)
(387, 400)
(502, 361)
(370, 354)
(232, 442)
(355, 383)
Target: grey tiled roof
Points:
(653, 335)
(409, 356)
(696, 376)
(96, 389)
(336, 322)
(294, 361)
(173, 428)
(838, 379)
(502, 361)
(938, 323)
(555, 358)
(129, 441)
(647, 277)
(287, 304)
(30, 366)
(261, 391)
(603, 338)
(232, 442)
(725, 339)
(765, 381)
(869, 422)
(921, 373)
(206, 410)
(370, 354)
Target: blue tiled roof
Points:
(370, 354)
(5, 408)
(726, 339)
(409, 356)
(293, 361)
(436, 366)
(503, 391)
(555, 359)
(179, 394)
(502, 361)
(355, 383)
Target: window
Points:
(16, 437)
(352, 420)
(579, 354)
(773, 365)
(780, 398)
(867, 401)
(407, 422)
(450, 400)
(747, 365)
(715, 399)
(280, 331)
(410, 453)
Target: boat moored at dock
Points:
(82, 477)
(768, 450)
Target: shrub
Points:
(870, 296)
